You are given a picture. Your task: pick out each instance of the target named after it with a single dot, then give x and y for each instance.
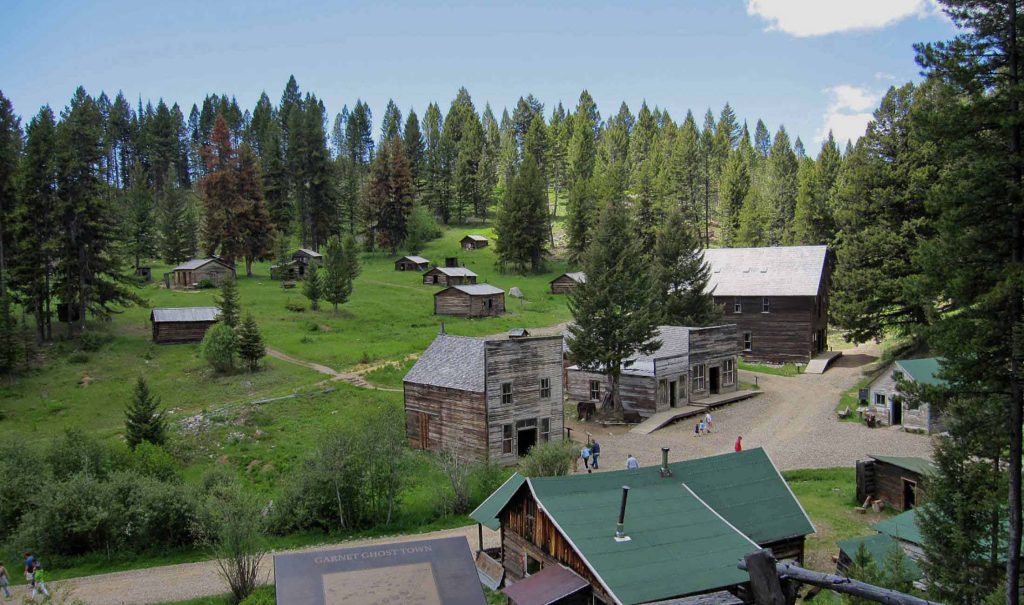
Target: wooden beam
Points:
(764, 579)
(832, 582)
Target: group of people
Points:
(590, 454)
(34, 575)
(704, 426)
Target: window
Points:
(506, 393)
(532, 565)
(506, 439)
(748, 341)
(766, 305)
(595, 390)
(545, 429)
(545, 388)
(880, 399)
(737, 305)
(728, 372)
(698, 377)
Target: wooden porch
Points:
(695, 408)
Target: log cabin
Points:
(567, 282)
(889, 406)
(475, 300)
(191, 273)
(684, 527)
(412, 263)
(691, 364)
(898, 481)
(183, 324)
(777, 296)
(473, 242)
(304, 257)
(449, 276)
(286, 271)
(487, 399)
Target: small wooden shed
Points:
(476, 300)
(182, 324)
(473, 242)
(286, 271)
(305, 256)
(412, 263)
(567, 282)
(895, 480)
(191, 273)
(449, 276)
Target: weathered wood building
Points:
(191, 273)
(691, 364)
(896, 480)
(286, 271)
(777, 296)
(476, 300)
(182, 324)
(567, 282)
(449, 276)
(412, 263)
(305, 257)
(490, 400)
(885, 401)
(473, 242)
(685, 526)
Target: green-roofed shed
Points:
(879, 547)
(887, 404)
(902, 527)
(487, 513)
(898, 481)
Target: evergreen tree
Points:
(710, 169)
(734, 187)
(679, 181)
(522, 221)
(10, 155)
(312, 286)
(10, 345)
(612, 310)
(143, 418)
(762, 140)
(391, 193)
(422, 228)
(753, 220)
(810, 218)
(412, 144)
(432, 193)
(508, 153)
(227, 302)
(251, 348)
(391, 123)
(580, 208)
(780, 188)
(727, 132)
(680, 277)
(137, 212)
(337, 271)
(582, 150)
(274, 177)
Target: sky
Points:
(811, 65)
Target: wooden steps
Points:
(821, 362)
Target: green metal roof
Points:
(923, 371)
(901, 527)
(920, 466)
(487, 513)
(879, 546)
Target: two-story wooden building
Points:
(777, 296)
(690, 365)
(487, 399)
(684, 528)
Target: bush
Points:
(234, 530)
(78, 357)
(19, 467)
(220, 347)
(205, 284)
(153, 461)
(264, 595)
(74, 452)
(548, 459)
(294, 308)
(92, 341)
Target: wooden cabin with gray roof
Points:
(487, 399)
(449, 276)
(192, 273)
(691, 364)
(567, 282)
(182, 324)
(778, 297)
(412, 263)
(473, 300)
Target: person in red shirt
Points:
(739, 443)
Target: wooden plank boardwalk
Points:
(696, 408)
(821, 362)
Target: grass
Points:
(788, 370)
(263, 592)
(850, 400)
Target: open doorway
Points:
(526, 433)
(714, 380)
(673, 399)
(896, 416)
(909, 494)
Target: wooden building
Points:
(896, 480)
(304, 257)
(685, 526)
(288, 271)
(449, 276)
(183, 324)
(880, 547)
(412, 263)
(491, 400)
(477, 300)
(567, 282)
(191, 273)
(473, 242)
(888, 405)
(777, 296)
(691, 364)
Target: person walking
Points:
(39, 581)
(696, 430)
(631, 463)
(739, 444)
(30, 566)
(595, 451)
(5, 581)
(707, 421)
(585, 454)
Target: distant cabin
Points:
(488, 399)
(183, 324)
(305, 256)
(518, 333)
(476, 300)
(885, 401)
(692, 364)
(286, 271)
(567, 282)
(777, 296)
(449, 276)
(189, 274)
(412, 263)
(473, 242)
(896, 480)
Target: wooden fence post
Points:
(764, 579)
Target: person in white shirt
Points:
(631, 463)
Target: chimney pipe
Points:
(620, 534)
(665, 470)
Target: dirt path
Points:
(353, 378)
(194, 580)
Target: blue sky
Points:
(808, 64)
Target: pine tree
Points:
(251, 348)
(227, 302)
(582, 149)
(137, 212)
(221, 233)
(580, 208)
(10, 155)
(680, 277)
(762, 140)
(780, 188)
(339, 270)
(391, 193)
(432, 193)
(522, 221)
(10, 345)
(391, 123)
(412, 144)
(734, 187)
(312, 286)
(256, 229)
(143, 418)
(679, 181)
(612, 310)
(809, 218)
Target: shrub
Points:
(548, 459)
(220, 347)
(151, 460)
(78, 357)
(74, 452)
(234, 531)
(205, 284)
(264, 595)
(19, 467)
(295, 307)
(92, 341)
(143, 419)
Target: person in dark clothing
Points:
(595, 451)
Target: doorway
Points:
(673, 400)
(896, 416)
(715, 380)
(909, 494)
(526, 432)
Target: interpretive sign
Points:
(431, 572)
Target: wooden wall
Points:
(791, 549)
(437, 278)
(889, 484)
(456, 302)
(784, 334)
(711, 347)
(180, 331)
(563, 285)
(639, 393)
(455, 419)
(408, 265)
(212, 271)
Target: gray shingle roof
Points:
(453, 362)
(419, 260)
(476, 238)
(309, 252)
(577, 276)
(195, 263)
(675, 341)
(775, 271)
(184, 314)
(454, 271)
(479, 289)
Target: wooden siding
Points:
(456, 302)
(455, 419)
(791, 549)
(923, 418)
(889, 484)
(213, 271)
(471, 244)
(563, 285)
(523, 362)
(437, 278)
(408, 265)
(711, 347)
(180, 331)
(639, 393)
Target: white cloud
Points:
(849, 111)
(805, 18)
(881, 75)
